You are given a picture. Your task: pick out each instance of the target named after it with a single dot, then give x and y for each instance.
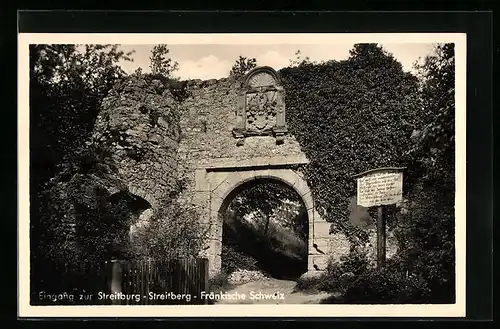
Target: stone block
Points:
(317, 216)
(215, 178)
(339, 246)
(323, 246)
(201, 182)
(216, 230)
(321, 229)
(263, 173)
(308, 202)
(310, 224)
(301, 186)
(226, 187)
(214, 247)
(215, 204)
(320, 262)
(205, 217)
(312, 274)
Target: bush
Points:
(359, 282)
(426, 234)
(220, 282)
(387, 285)
(339, 275)
(233, 260)
(172, 232)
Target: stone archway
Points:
(216, 183)
(224, 193)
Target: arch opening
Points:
(265, 227)
(136, 209)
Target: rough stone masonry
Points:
(222, 134)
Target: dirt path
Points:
(270, 291)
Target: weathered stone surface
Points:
(157, 139)
(143, 128)
(312, 274)
(321, 229)
(243, 276)
(318, 262)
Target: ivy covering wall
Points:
(350, 116)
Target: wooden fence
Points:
(144, 282)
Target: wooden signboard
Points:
(378, 188)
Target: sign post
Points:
(378, 188)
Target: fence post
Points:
(116, 280)
(205, 278)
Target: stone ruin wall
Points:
(209, 116)
(140, 120)
(157, 139)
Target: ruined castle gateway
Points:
(224, 134)
(234, 132)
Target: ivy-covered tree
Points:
(67, 86)
(299, 60)
(160, 61)
(242, 66)
(434, 147)
(426, 232)
(349, 117)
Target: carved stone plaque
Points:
(261, 79)
(261, 110)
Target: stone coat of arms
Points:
(261, 109)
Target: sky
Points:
(214, 61)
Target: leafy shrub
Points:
(426, 234)
(172, 232)
(339, 274)
(220, 282)
(233, 260)
(316, 283)
(387, 285)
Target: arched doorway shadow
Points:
(265, 227)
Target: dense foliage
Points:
(160, 61)
(242, 66)
(427, 230)
(384, 128)
(173, 232)
(67, 86)
(265, 227)
(364, 108)
(81, 210)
